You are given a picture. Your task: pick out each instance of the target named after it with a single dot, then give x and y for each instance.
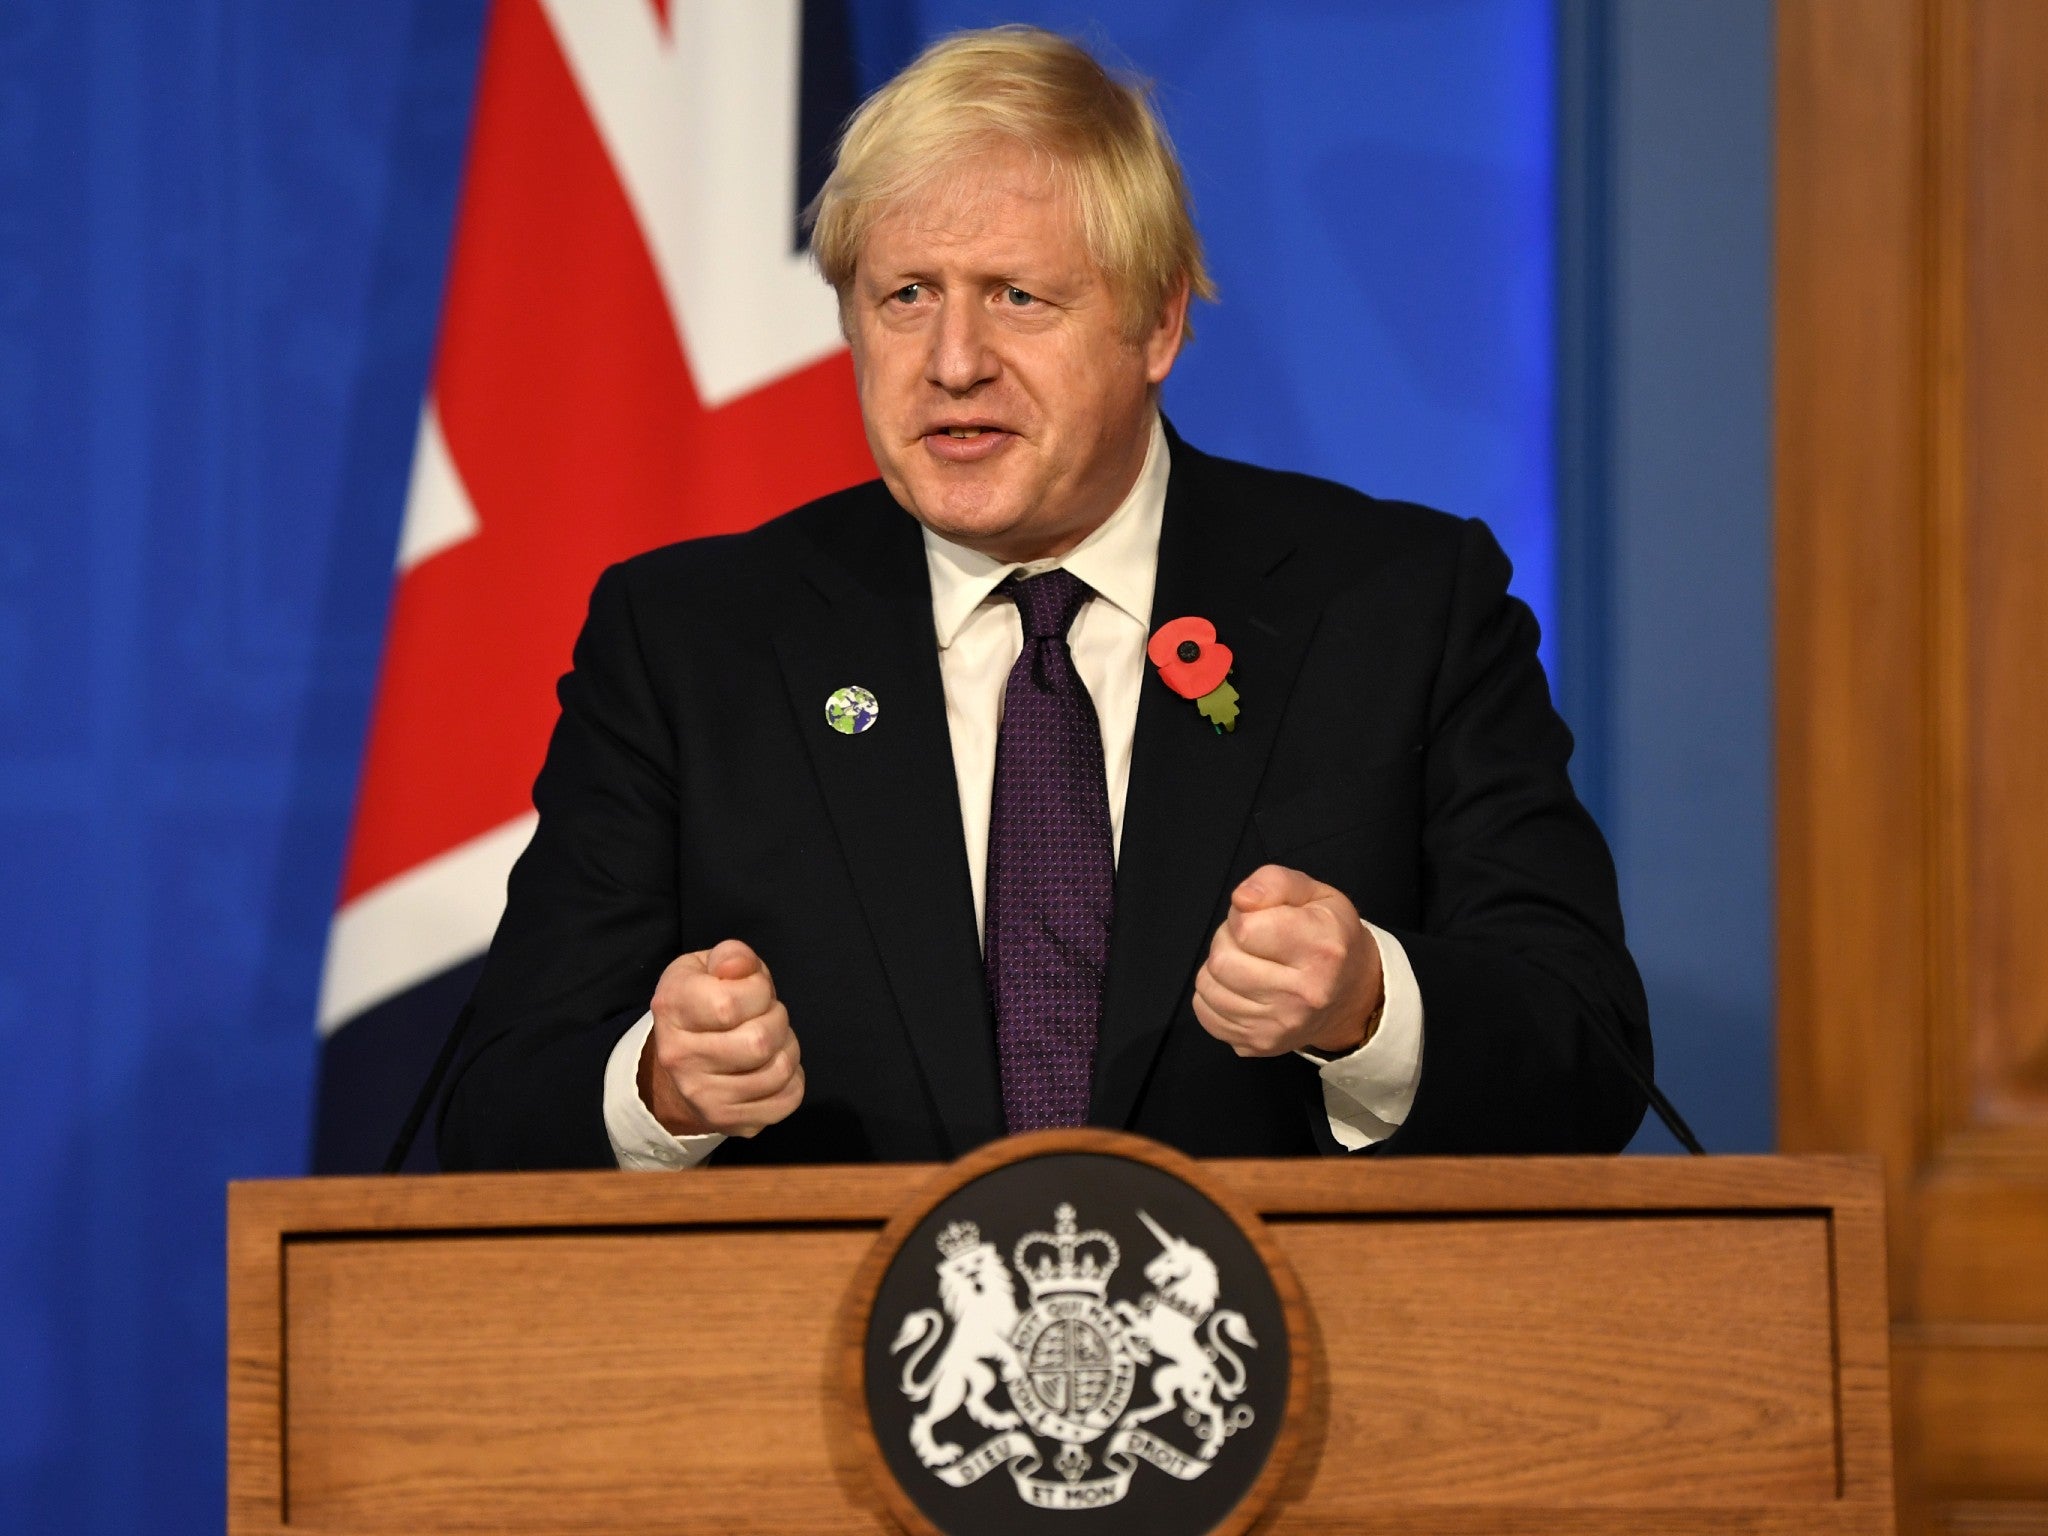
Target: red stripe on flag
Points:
(571, 418)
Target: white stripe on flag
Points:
(416, 925)
(438, 512)
(701, 125)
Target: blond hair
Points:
(1098, 136)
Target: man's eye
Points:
(1018, 296)
(909, 293)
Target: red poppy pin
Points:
(1196, 665)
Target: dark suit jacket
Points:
(1396, 740)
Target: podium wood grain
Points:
(1504, 1346)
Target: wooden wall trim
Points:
(1853, 708)
(1945, 315)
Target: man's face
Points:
(1006, 407)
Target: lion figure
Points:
(981, 1302)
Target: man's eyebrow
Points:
(890, 281)
(1045, 281)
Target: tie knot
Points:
(1047, 603)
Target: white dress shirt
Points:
(1366, 1093)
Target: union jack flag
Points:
(634, 349)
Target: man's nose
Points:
(960, 356)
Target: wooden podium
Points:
(1508, 1346)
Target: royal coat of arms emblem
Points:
(1054, 1376)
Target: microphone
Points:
(395, 1158)
(1674, 1122)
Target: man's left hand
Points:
(1291, 967)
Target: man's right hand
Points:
(721, 1056)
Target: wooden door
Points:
(1912, 488)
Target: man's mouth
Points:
(966, 442)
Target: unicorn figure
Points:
(1168, 1324)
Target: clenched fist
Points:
(1292, 966)
(721, 1056)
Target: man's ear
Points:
(1163, 339)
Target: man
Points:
(1066, 775)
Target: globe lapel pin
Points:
(1196, 665)
(851, 710)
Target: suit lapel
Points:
(1190, 788)
(893, 801)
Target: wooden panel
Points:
(1626, 1361)
(266, 1220)
(1984, 1249)
(1978, 1400)
(2007, 390)
(445, 1383)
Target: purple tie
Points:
(1051, 869)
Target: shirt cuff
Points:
(1368, 1092)
(639, 1141)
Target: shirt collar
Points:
(1119, 560)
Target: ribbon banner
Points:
(1019, 1452)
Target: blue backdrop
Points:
(222, 231)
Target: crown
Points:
(1085, 1260)
(958, 1237)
